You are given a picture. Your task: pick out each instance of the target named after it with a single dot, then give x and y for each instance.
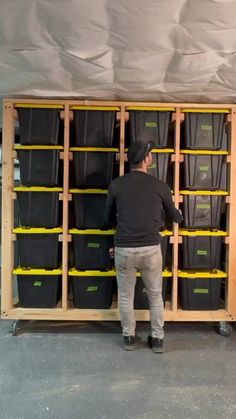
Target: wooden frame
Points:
(172, 311)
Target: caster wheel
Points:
(224, 329)
(15, 329)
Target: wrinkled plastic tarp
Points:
(164, 50)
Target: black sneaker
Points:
(155, 344)
(128, 343)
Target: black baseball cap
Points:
(139, 150)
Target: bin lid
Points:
(76, 272)
(33, 230)
(38, 105)
(166, 233)
(215, 273)
(94, 108)
(149, 108)
(112, 272)
(88, 191)
(92, 231)
(95, 149)
(159, 150)
(203, 110)
(112, 231)
(206, 152)
(38, 147)
(26, 271)
(206, 233)
(163, 150)
(36, 189)
(200, 192)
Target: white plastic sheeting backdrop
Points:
(167, 50)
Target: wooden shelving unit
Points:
(63, 311)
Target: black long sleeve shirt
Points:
(134, 205)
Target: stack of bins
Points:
(153, 124)
(205, 185)
(39, 273)
(140, 296)
(94, 157)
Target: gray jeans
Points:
(148, 260)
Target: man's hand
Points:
(111, 252)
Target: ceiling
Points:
(164, 50)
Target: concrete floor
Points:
(79, 371)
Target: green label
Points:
(201, 291)
(150, 124)
(202, 252)
(144, 290)
(94, 245)
(206, 127)
(203, 206)
(92, 288)
(203, 168)
(37, 283)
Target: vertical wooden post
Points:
(231, 300)
(122, 141)
(65, 208)
(7, 207)
(176, 201)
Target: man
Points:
(134, 204)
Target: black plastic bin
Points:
(204, 172)
(202, 211)
(39, 125)
(160, 165)
(89, 209)
(94, 128)
(38, 288)
(200, 291)
(200, 251)
(39, 167)
(205, 131)
(164, 245)
(92, 289)
(150, 126)
(38, 248)
(93, 169)
(91, 251)
(39, 207)
(140, 295)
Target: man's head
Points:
(139, 154)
